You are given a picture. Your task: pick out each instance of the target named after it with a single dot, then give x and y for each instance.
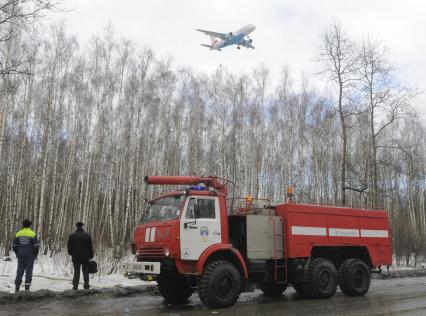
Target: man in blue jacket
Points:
(26, 246)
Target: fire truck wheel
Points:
(174, 290)
(321, 279)
(354, 277)
(273, 289)
(220, 284)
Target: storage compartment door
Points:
(263, 241)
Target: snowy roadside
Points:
(55, 274)
(120, 291)
(400, 272)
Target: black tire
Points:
(220, 284)
(174, 290)
(298, 286)
(273, 289)
(320, 280)
(354, 277)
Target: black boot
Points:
(17, 288)
(27, 287)
(86, 286)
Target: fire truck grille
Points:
(151, 252)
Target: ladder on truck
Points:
(279, 264)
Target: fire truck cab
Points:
(187, 241)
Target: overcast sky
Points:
(287, 31)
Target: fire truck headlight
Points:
(166, 252)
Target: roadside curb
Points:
(10, 298)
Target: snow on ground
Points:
(55, 273)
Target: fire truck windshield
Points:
(163, 209)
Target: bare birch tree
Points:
(339, 57)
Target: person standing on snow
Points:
(26, 246)
(80, 248)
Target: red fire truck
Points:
(188, 240)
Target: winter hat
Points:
(27, 223)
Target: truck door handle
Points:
(216, 233)
(189, 225)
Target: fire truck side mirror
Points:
(194, 215)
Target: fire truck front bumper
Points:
(142, 267)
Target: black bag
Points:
(93, 267)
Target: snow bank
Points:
(55, 273)
(401, 273)
(8, 298)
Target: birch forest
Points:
(81, 125)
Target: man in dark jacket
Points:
(80, 247)
(26, 246)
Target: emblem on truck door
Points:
(186, 253)
(204, 233)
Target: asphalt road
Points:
(386, 297)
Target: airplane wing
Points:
(215, 34)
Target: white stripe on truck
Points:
(152, 234)
(312, 231)
(374, 233)
(147, 232)
(343, 232)
(338, 232)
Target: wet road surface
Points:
(386, 297)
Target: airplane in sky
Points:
(240, 38)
